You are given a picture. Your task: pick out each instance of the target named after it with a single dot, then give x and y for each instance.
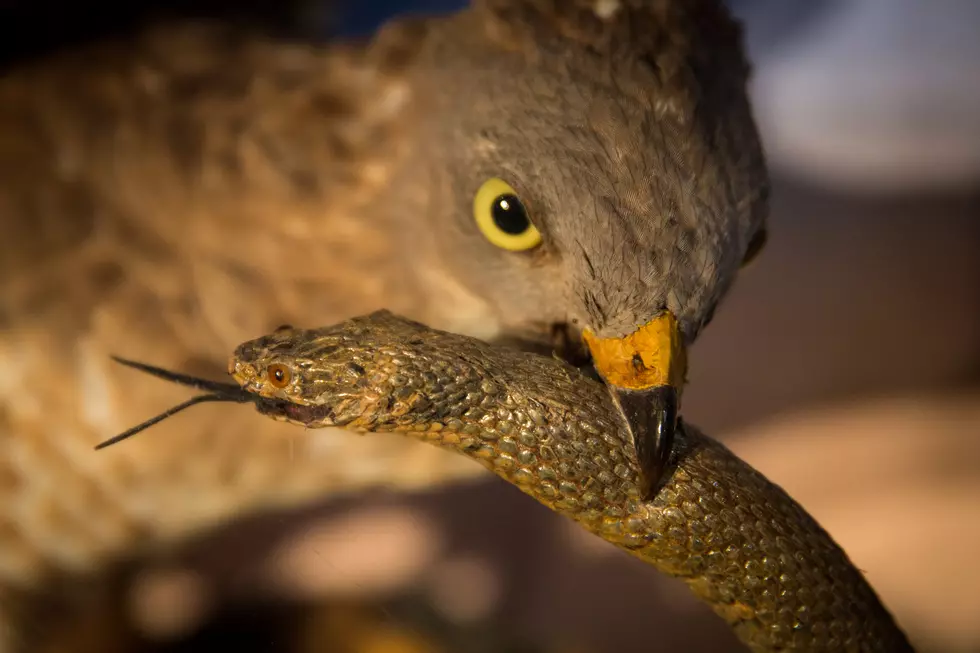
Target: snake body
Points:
(739, 542)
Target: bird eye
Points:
(278, 375)
(502, 217)
(756, 245)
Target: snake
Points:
(739, 542)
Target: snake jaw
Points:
(310, 416)
(288, 404)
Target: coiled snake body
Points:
(740, 543)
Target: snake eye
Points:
(278, 375)
(502, 217)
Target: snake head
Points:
(319, 377)
(342, 375)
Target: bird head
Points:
(595, 164)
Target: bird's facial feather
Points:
(636, 158)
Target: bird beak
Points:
(646, 372)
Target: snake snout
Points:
(243, 373)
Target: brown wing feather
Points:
(164, 199)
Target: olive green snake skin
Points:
(740, 543)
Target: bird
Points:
(579, 176)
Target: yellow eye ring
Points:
(502, 217)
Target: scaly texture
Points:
(740, 542)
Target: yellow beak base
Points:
(653, 355)
(646, 372)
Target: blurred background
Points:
(845, 365)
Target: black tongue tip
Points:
(652, 418)
(217, 391)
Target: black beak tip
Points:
(652, 418)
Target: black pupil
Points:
(509, 215)
(279, 374)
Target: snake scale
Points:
(740, 543)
